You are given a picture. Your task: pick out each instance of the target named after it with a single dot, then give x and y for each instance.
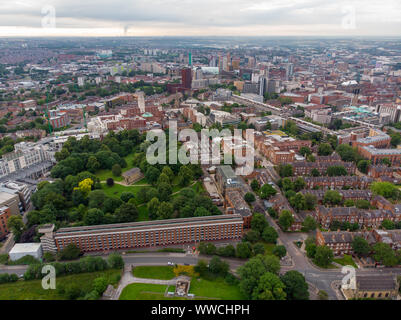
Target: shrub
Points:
(116, 170)
(70, 252)
(100, 285)
(115, 261)
(110, 182)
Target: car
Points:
(170, 263)
(186, 264)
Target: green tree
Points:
(127, 212)
(323, 256)
(305, 151)
(269, 234)
(285, 220)
(388, 224)
(100, 285)
(126, 196)
(363, 166)
(332, 197)
(249, 197)
(116, 170)
(16, 225)
(269, 287)
(280, 251)
(310, 247)
(384, 254)
(315, 172)
(255, 185)
(258, 222)
(185, 176)
(152, 174)
(168, 172)
(218, 266)
(299, 184)
(324, 149)
(258, 248)
(309, 224)
(153, 207)
(243, 250)
(334, 171)
(93, 217)
(267, 191)
(385, 189)
(285, 170)
(295, 284)
(115, 261)
(70, 252)
(310, 201)
(165, 210)
(360, 246)
(252, 236)
(251, 272)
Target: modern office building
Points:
(25, 155)
(186, 78)
(151, 233)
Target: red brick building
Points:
(5, 213)
(151, 233)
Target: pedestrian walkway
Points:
(128, 278)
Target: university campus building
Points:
(149, 233)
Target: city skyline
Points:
(200, 18)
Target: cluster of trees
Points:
(382, 252)
(86, 264)
(296, 199)
(91, 154)
(285, 170)
(321, 255)
(186, 204)
(6, 278)
(386, 189)
(390, 225)
(260, 280)
(265, 192)
(251, 243)
(348, 153)
(78, 199)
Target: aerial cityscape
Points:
(200, 167)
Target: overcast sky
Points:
(200, 17)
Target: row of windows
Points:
(100, 243)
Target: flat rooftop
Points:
(25, 247)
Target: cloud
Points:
(199, 17)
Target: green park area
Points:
(201, 288)
(346, 261)
(154, 272)
(32, 289)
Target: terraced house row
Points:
(341, 241)
(355, 182)
(147, 234)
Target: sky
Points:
(200, 18)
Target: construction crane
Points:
(48, 120)
(85, 124)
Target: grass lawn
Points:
(144, 291)
(217, 289)
(105, 173)
(346, 261)
(32, 290)
(117, 189)
(203, 289)
(154, 272)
